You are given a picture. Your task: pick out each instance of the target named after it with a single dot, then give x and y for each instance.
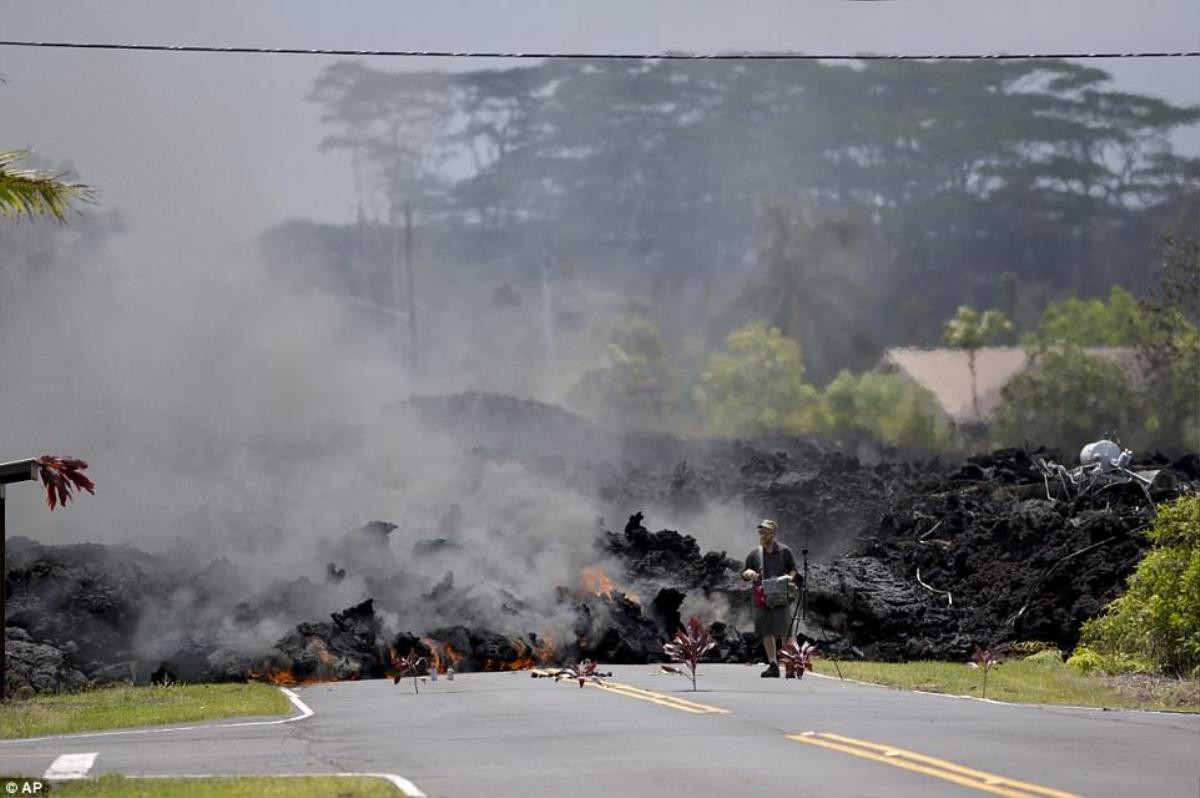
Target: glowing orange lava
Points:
(593, 580)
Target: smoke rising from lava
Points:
(235, 425)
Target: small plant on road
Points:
(689, 645)
(798, 657)
(408, 666)
(985, 659)
(582, 672)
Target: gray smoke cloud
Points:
(236, 426)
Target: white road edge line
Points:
(305, 712)
(70, 766)
(404, 785)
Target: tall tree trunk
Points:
(974, 386)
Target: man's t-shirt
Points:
(775, 563)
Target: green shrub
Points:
(889, 407)
(1048, 656)
(1087, 660)
(756, 386)
(1063, 399)
(634, 380)
(1156, 624)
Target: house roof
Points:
(947, 375)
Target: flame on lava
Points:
(435, 659)
(272, 675)
(522, 660)
(328, 669)
(317, 646)
(544, 649)
(451, 654)
(595, 581)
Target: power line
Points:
(664, 56)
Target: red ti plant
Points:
(59, 474)
(582, 672)
(405, 666)
(797, 657)
(689, 645)
(985, 659)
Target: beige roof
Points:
(948, 377)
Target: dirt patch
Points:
(1162, 691)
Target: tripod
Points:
(801, 611)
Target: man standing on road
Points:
(770, 561)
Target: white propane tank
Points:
(1106, 454)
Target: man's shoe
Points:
(772, 672)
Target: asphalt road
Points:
(507, 734)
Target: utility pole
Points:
(404, 285)
(411, 291)
(16, 471)
(548, 315)
(397, 278)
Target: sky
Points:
(202, 151)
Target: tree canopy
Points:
(1092, 322)
(1028, 180)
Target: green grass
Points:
(125, 706)
(113, 786)
(1022, 681)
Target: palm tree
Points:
(31, 192)
(971, 331)
(805, 290)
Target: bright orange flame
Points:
(594, 580)
(451, 654)
(327, 669)
(435, 659)
(317, 646)
(544, 651)
(522, 660)
(273, 675)
(634, 597)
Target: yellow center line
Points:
(930, 766)
(991, 778)
(660, 697)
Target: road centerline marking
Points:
(681, 703)
(70, 766)
(929, 766)
(963, 769)
(642, 694)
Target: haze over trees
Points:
(851, 206)
(1151, 402)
